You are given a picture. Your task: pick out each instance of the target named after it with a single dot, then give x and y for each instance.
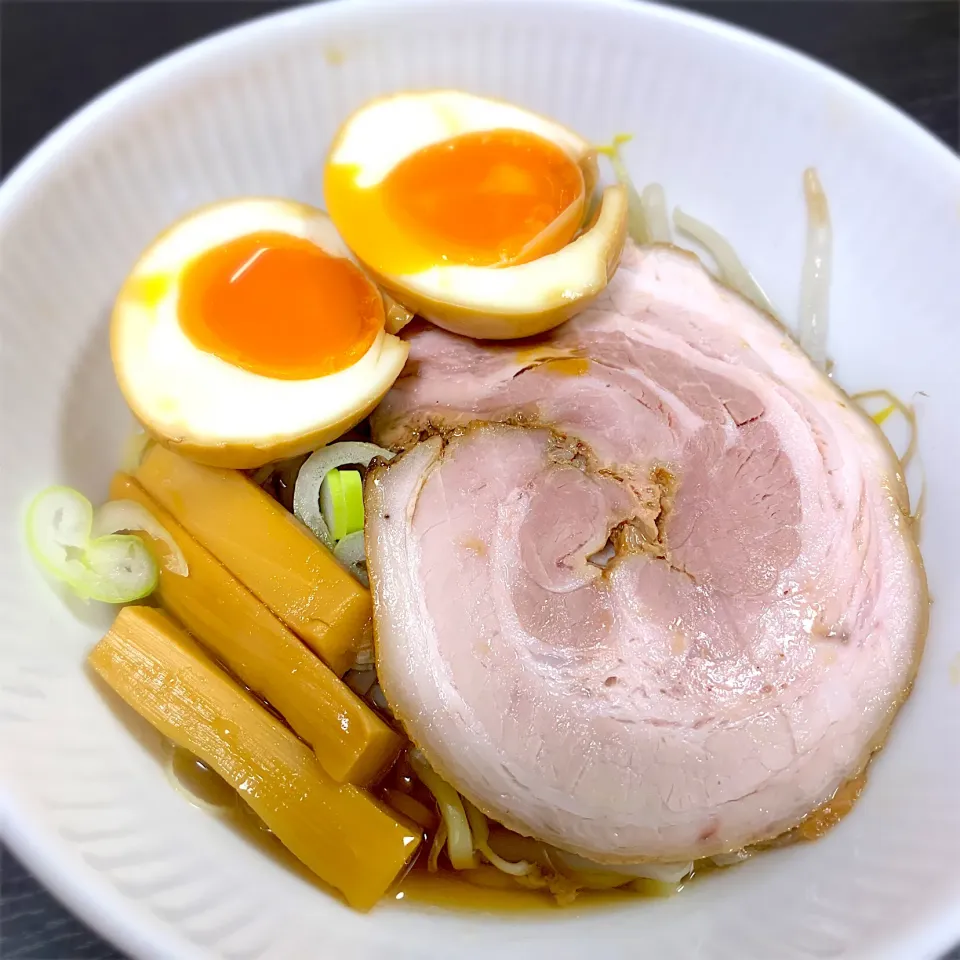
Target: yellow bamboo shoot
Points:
(337, 830)
(351, 742)
(267, 549)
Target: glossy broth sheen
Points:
(279, 306)
(481, 889)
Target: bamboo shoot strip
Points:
(340, 832)
(267, 550)
(351, 742)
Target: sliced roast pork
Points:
(646, 588)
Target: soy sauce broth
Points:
(485, 888)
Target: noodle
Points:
(439, 840)
(654, 205)
(481, 837)
(636, 218)
(894, 403)
(459, 837)
(732, 270)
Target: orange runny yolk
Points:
(483, 198)
(279, 306)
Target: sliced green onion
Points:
(341, 502)
(306, 494)
(333, 505)
(58, 530)
(353, 494)
(351, 553)
(117, 516)
(111, 568)
(459, 839)
(121, 569)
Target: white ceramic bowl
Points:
(727, 122)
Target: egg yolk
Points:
(480, 199)
(279, 306)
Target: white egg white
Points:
(212, 410)
(384, 132)
(495, 302)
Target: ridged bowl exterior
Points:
(727, 122)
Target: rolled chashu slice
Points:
(744, 651)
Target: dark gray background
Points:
(54, 56)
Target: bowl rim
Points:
(151, 76)
(89, 897)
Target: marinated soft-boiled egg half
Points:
(246, 333)
(472, 212)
